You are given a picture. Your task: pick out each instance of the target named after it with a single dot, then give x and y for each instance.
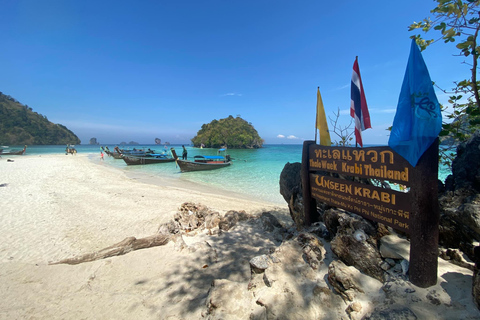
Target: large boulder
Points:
(460, 203)
(291, 190)
(355, 242)
(465, 167)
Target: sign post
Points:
(424, 235)
(309, 204)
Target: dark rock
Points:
(359, 254)
(441, 187)
(449, 183)
(476, 257)
(460, 203)
(465, 168)
(231, 218)
(259, 263)
(476, 288)
(331, 220)
(313, 250)
(355, 243)
(403, 313)
(212, 220)
(269, 222)
(291, 190)
(169, 228)
(290, 180)
(476, 276)
(343, 281)
(394, 247)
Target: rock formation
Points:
(291, 190)
(356, 241)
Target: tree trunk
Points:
(125, 246)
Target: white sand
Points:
(57, 206)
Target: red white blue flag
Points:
(358, 105)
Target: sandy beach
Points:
(57, 206)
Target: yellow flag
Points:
(321, 122)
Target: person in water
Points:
(184, 154)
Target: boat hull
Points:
(117, 155)
(13, 152)
(187, 166)
(132, 160)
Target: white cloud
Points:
(343, 87)
(291, 137)
(232, 94)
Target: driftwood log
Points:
(125, 246)
(190, 217)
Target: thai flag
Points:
(358, 104)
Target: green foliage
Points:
(235, 133)
(20, 125)
(457, 21)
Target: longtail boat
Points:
(147, 159)
(4, 152)
(202, 163)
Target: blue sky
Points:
(138, 70)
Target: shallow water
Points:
(255, 172)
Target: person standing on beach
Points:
(184, 154)
(101, 155)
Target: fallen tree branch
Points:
(125, 246)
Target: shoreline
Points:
(70, 205)
(183, 182)
(194, 186)
(56, 207)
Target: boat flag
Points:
(358, 104)
(321, 122)
(418, 119)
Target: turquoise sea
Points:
(254, 172)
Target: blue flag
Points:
(418, 120)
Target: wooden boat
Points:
(147, 159)
(202, 163)
(107, 151)
(13, 152)
(120, 153)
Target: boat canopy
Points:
(210, 157)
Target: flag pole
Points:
(356, 143)
(316, 120)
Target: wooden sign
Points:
(415, 212)
(373, 163)
(386, 206)
(383, 205)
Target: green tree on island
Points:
(20, 125)
(235, 133)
